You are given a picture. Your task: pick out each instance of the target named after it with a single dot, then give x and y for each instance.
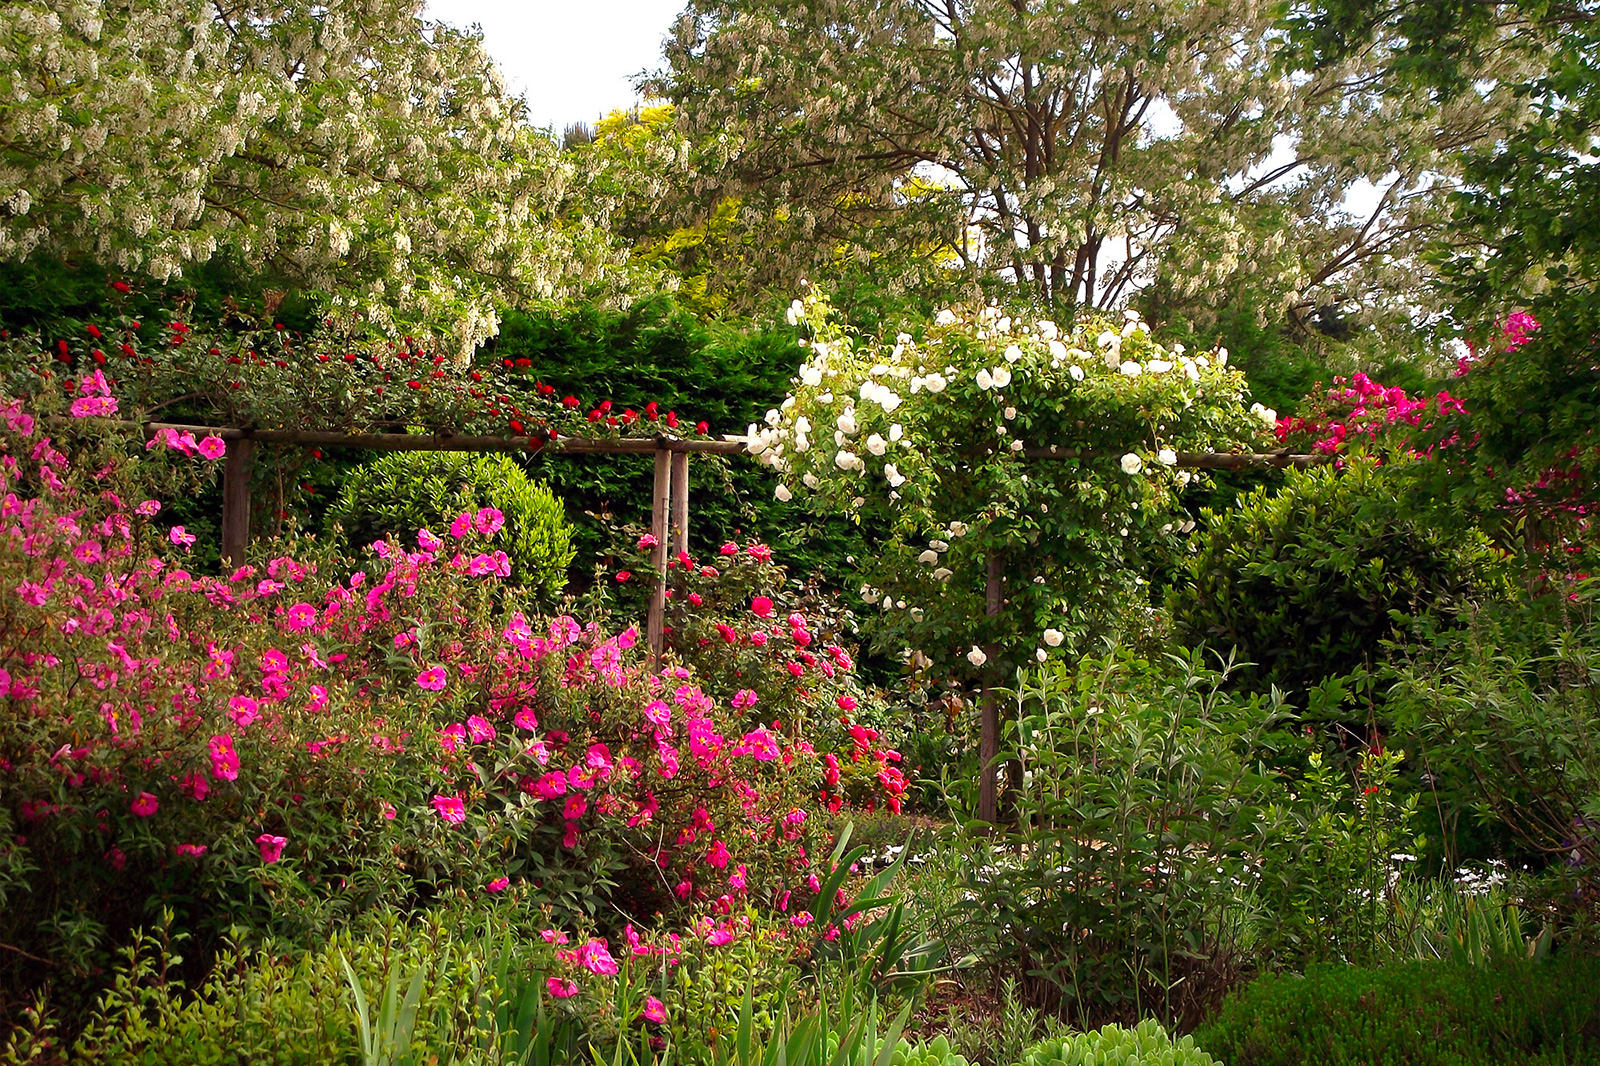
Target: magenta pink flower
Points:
(213, 447)
(243, 710)
(450, 808)
(648, 541)
(718, 855)
(654, 1010)
(88, 552)
(301, 616)
(461, 526)
(561, 989)
(191, 851)
(271, 847)
(719, 936)
(433, 678)
(730, 548)
(479, 729)
(499, 884)
(177, 536)
(224, 759)
(595, 956)
(761, 606)
(801, 919)
(738, 879)
(94, 406)
(574, 807)
(148, 507)
(428, 542)
(552, 936)
(569, 839)
(525, 719)
(489, 521)
(144, 805)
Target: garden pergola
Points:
(669, 512)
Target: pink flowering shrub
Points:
(279, 745)
(1360, 409)
(738, 622)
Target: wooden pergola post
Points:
(989, 706)
(660, 506)
(236, 500)
(680, 501)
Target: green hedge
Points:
(407, 491)
(1415, 1014)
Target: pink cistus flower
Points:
(271, 847)
(595, 956)
(451, 809)
(654, 1010)
(212, 447)
(433, 678)
(561, 989)
(177, 536)
(479, 729)
(224, 759)
(301, 616)
(190, 851)
(499, 884)
(144, 805)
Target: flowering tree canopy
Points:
(933, 436)
(349, 144)
(1080, 148)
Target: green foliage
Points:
(657, 351)
(1417, 1014)
(402, 493)
(1309, 581)
(1505, 713)
(1147, 1044)
(1137, 807)
(1328, 878)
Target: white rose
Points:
(1131, 369)
(958, 529)
(935, 383)
(773, 417)
(984, 381)
(1038, 653)
(1076, 371)
(847, 423)
(1048, 330)
(1013, 353)
(846, 460)
(946, 317)
(896, 431)
(1001, 377)
(1054, 637)
(870, 594)
(811, 376)
(892, 473)
(783, 494)
(1158, 366)
(1167, 457)
(796, 312)
(1058, 350)
(811, 481)
(754, 442)
(1009, 413)
(888, 400)
(1266, 414)
(1132, 464)
(1131, 315)
(877, 445)
(802, 424)
(928, 558)
(1016, 445)
(1108, 339)
(976, 656)
(942, 573)
(939, 545)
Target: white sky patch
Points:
(574, 62)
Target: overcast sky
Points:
(572, 59)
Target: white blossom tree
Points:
(346, 143)
(1082, 148)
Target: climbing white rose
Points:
(1001, 377)
(946, 317)
(877, 445)
(1076, 371)
(1013, 353)
(984, 380)
(1167, 457)
(1132, 464)
(893, 474)
(1054, 637)
(896, 431)
(783, 494)
(1131, 369)
(847, 423)
(976, 656)
(935, 383)
(928, 558)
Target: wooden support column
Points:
(660, 505)
(680, 502)
(989, 732)
(236, 500)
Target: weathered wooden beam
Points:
(680, 502)
(1195, 460)
(236, 500)
(450, 442)
(661, 503)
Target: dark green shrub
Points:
(407, 491)
(1145, 1045)
(1419, 1014)
(1308, 581)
